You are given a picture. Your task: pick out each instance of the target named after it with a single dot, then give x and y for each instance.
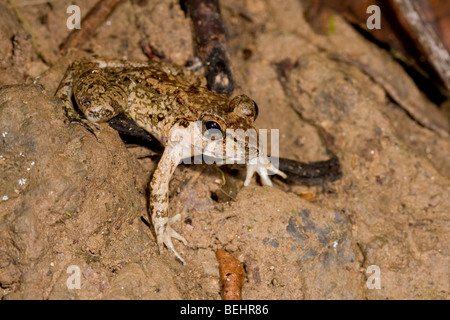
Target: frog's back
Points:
(158, 97)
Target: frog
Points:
(178, 110)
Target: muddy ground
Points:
(68, 198)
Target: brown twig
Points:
(98, 14)
(211, 44)
(232, 275)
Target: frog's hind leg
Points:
(159, 200)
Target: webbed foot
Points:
(165, 233)
(263, 171)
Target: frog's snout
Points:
(244, 107)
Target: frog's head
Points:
(224, 134)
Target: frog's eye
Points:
(212, 130)
(212, 125)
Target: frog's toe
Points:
(173, 233)
(251, 169)
(167, 239)
(174, 219)
(166, 233)
(263, 171)
(90, 126)
(277, 171)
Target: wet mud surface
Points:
(68, 198)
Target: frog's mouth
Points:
(235, 147)
(231, 147)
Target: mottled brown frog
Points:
(187, 118)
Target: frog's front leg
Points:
(65, 91)
(159, 199)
